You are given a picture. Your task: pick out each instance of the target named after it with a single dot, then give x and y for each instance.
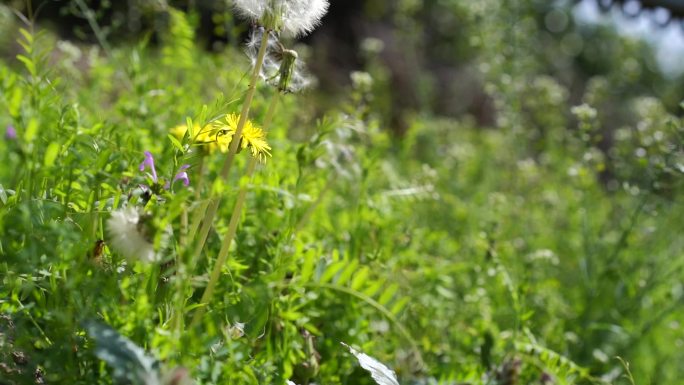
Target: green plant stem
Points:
(213, 206)
(310, 210)
(233, 224)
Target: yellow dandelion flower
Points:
(252, 136)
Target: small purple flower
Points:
(181, 175)
(149, 162)
(10, 132)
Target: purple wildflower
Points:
(149, 162)
(10, 132)
(181, 175)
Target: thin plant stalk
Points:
(233, 224)
(312, 208)
(212, 208)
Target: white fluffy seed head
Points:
(251, 9)
(127, 235)
(300, 17)
(291, 17)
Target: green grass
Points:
(457, 254)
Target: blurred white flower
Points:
(380, 373)
(128, 235)
(291, 17)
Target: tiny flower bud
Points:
(287, 67)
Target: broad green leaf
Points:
(51, 154)
(31, 130)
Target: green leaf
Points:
(347, 272)
(31, 130)
(388, 294)
(191, 128)
(130, 363)
(374, 288)
(27, 35)
(400, 305)
(176, 143)
(30, 66)
(308, 266)
(360, 278)
(51, 154)
(331, 271)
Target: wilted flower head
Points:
(281, 67)
(10, 132)
(292, 17)
(129, 235)
(252, 136)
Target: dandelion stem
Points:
(213, 206)
(234, 221)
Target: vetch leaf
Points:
(130, 363)
(380, 373)
(360, 278)
(31, 130)
(51, 154)
(176, 143)
(387, 295)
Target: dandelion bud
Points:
(287, 67)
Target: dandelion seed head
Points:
(127, 235)
(251, 9)
(294, 18)
(300, 17)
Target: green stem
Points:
(309, 211)
(212, 208)
(233, 224)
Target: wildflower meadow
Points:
(235, 192)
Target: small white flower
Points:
(292, 17)
(128, 236)
(236, 330)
